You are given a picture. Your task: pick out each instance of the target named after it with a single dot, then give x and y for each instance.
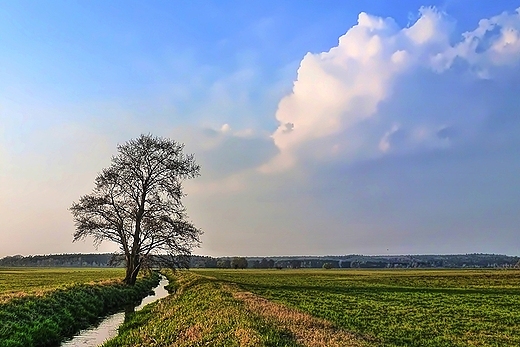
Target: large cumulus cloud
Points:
(397, 140)
(385, 89)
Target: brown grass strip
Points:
(192, 334)
(308, 330)
(247, 337)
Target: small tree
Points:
(136, 203)
(239, 263)
(223, 263)
(264, 263)
(296, 263)
(327, 266)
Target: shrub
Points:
(327, 266)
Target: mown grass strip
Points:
(200, 313)
(40, 321)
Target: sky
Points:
(321, 127)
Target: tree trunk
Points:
(133, 263)
(132, 269)
(135, 273)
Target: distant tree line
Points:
(61, 260)
(328, 262)
(475, 260)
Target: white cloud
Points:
(432, 28)
(396, 137)
(384, 144)
(495, 42)
(337, 104)
(225, 128)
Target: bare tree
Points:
(136, 203)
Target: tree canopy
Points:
(239, 263)
(136, 203)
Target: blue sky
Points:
(322, 127)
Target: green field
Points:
(202, 312)
(289, 307)
(332, 308)
(399, 307)
(15, 281)
(39, 307)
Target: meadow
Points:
(331, 308)
(274, 308)
(40, 307)
(22, 281)
(398, 307)
(199, 312)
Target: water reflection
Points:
(97, 335)
(108, 327)
(159, 293)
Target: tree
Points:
(264, 263)
(327, 266)
(136, 203)
(239, 263)
(210, 262)
(296, 263)
(223, 263)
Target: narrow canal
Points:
(108, 327)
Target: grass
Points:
(398, 307)
(306, 329)
(16, 282)
(292, 308)
(202, 312)
(68, 302)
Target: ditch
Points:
(108, 327)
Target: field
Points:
(332, 308)
(23, 281)
(201, 312)
(399, 307)
(293, 308)
(39, 307)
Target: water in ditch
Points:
(107, 328)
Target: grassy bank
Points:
(399, 307)
(202, 312)
(43, 319)
(22, 281)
